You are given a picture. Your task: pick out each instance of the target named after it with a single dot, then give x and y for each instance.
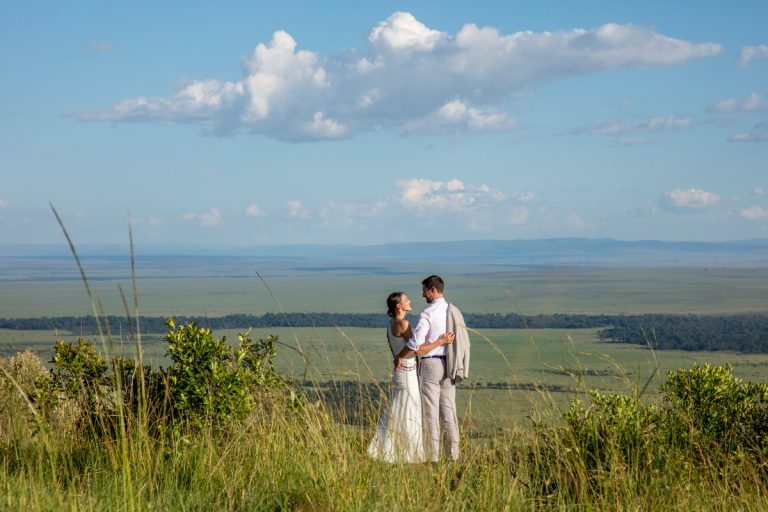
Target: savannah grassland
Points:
(279, 459)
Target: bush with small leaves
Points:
(707, 404)
(212, 384)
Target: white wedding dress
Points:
(399, 434)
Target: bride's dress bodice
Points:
(397, 343)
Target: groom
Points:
(438, 391)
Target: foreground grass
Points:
(283, 459)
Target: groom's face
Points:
(428, 293)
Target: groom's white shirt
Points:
(432, 325)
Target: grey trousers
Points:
(438, 404)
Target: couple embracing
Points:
(428, 362)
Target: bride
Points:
(399, 434)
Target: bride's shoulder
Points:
(399, 326)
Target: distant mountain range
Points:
(529, 253)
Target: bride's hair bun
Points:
(392, 302)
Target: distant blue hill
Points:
(529, 253)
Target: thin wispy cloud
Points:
(758, 191)
(652, 125)
(577, 222)
(758, 133)
(209, 219)
(753, 103)
(4, 203)
(751, 53)
(97, 46)
(408, 77)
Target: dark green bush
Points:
(210, 382)
(707, 404)
(614, 429)
(706, 416)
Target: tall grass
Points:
(281, 459)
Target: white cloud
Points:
(403, 31)
(4, 203)
(408, 77)
(154, 220)
(253, 210)
(207, 219)
(454, 195)
(753, 103)
(197, 102)
(758, 191)
(457, 115)
(759, 133)
(296, 210)
(750, 53)
(97, 46)
(689, 199)
(322, 128)
(754, 212)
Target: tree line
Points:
(740, 332)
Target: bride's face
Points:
(405, 303)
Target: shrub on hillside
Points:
(706, 416)
(707, 404)
(614, 429)
(210, 382)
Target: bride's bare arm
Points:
(445, 339)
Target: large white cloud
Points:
(750, 53)
(691, 199)
(408, 77)
(403, 31)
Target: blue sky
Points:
(359, 122)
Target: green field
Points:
(551, 290)
(560, 365)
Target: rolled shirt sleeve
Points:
(431, 326)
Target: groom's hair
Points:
(435, 282)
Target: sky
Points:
(262, 123)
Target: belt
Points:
(432, 357)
